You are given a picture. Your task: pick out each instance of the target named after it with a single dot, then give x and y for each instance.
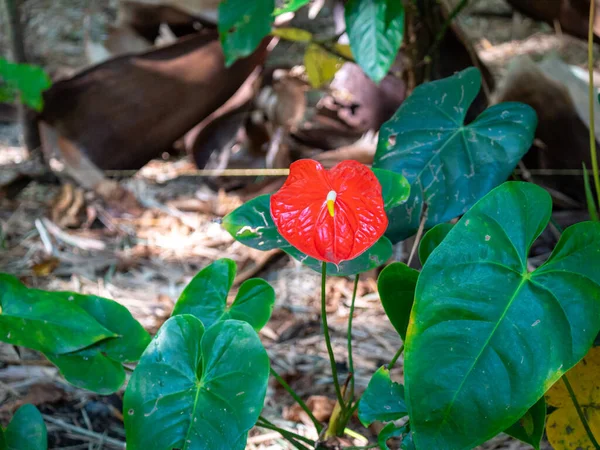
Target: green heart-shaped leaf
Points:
(388, 432)
(383, 400)
(44, 321)
(373, 257)
(450, 165)
(196, 389)
(242, 25)
(252, 225)
(26, 430)
(206, 297)
(395, 188)
(375, 30)
(98, 368)
(432, 239)
(396, 285)
(530, 427)
(487, 337)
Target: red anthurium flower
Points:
(331, 215)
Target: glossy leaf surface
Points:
(564, 429)
(45, 321)
(396, 285)
(196, 389)
(205, 297)
(432, 239)
(450, 165)
(26, 430)
(383, 400)
(375, 29)
(530, 427)
(395, 188)
(242, 25)
(487, 337)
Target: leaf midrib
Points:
(522, 283)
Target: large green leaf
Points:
(432, 239)
(98, 368)
(290, 6)
(196, 389)
(374, 257)
(45, 321)
(206, 297)
(388, 432)
(487, 337)
(242, 25)
(395, 188)
(530, 427)
(26, 430)
(23, 81)
(450, 165)
(396, 285)
(375, 30)
(383, 400)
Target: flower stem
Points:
(289, 435)
(395, 358)
(592, 98)
(336, 383)
(580, 412)
(350, 360)
(298, 400)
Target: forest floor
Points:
(60, 238)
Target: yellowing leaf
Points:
(564, 427)
(321, 65)
(344, 50)
(292, 34)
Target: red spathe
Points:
(299, 210)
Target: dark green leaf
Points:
(45, 321)
(396, 285)
(375, 30)
(432, 239)
(383, 399)
(395, 189)
(530, 427)
(2, 439)
(196, 389)
(290, 6)
(388, 432)
(98, 368)
(477, 345)
(589, 196)
(407, 442)
(27, 80)
(448, 164)
(206, 297)
(374, 257)
(252, 225)
(26, 430)
(242, 25)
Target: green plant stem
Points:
(354, 434)
(336, 383)
(580, 412)
(364, 447)
(289, 435)
(440, 35)
(298, 400)
(395, 358)
(591, 99)
(350, 359)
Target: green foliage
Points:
(388, 432)
(375, 30)
(530, 427)
(396, 285)
(252, 225)
(85, 336)
(383, 400)
(450, 165)
(432, 239)
(197, 389)
(243, 25)
(23, 82)
(290, 6)
(26, 431)
(589, 196)
(205, 297)
(482, 324)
